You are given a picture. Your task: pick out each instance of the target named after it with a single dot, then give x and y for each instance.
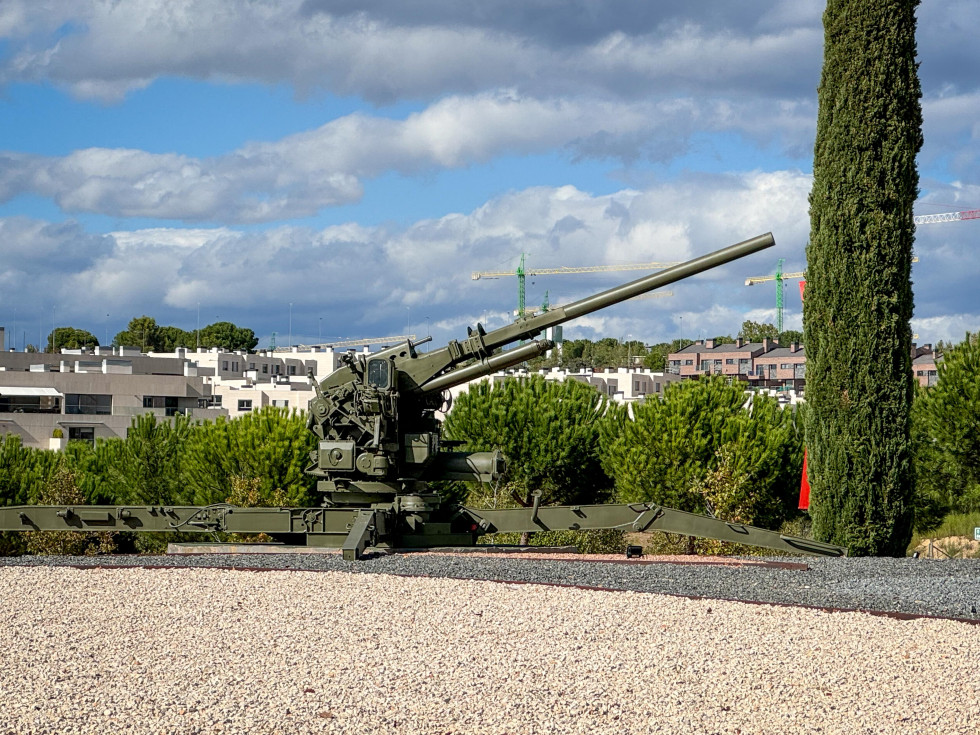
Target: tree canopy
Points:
(660, 450)
(547, 429)
(947, 437)
(144, 332)
(227, 336)
(70, 338)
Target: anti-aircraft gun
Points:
(379, 445)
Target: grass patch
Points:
(953, 525)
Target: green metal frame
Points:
(388, 526)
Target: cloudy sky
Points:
(332, 169)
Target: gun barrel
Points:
(531, 326)
(489, 365)
(670, 275)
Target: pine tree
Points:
(547, 429)
(663, 451)
(859, 293)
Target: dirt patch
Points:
(951, 547)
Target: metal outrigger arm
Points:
(354, 530)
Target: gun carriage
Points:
(379, 446)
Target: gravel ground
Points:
(948, 588)
(206, 650)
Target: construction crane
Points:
(931, 219)
(546, 306)
(778, 277)
(522, 274)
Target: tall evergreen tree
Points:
(859, 292)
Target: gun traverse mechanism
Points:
(379, 446)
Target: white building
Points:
(89, 395)
(622, 385)
(94, 394)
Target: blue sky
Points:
(325, 169)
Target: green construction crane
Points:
(778, 277)
(522, 275)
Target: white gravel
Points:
(200, 651)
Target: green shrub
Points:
(62, 489)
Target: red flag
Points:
(802, 286)
(804, 487)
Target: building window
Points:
(244, 404)
(292, 369)
(234, 366)
(224, 364)
(706, 364)
(277, 369)
(656, 387)
(729, 361)
(689, 362)
(785, 366)
(216, 400)
(251, 366)
(265, 369)
(167, 403)
(30, 404)
(88, 403)
(82, 434)
(280, 402)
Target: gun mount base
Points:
(406, 521)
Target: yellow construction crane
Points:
(522, 274)
(547, 307)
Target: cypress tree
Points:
(859, 292)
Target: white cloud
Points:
(105, 49)
(376, 279)
(306, 172)
(947, 328)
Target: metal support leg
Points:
(360, 536)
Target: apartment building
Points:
(92, 395)
(924, 365)
(622, 385)
(767, 364)
(242, 382)
(262, 365)
(705, 357)
(785, 365)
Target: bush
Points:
(62, 489)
